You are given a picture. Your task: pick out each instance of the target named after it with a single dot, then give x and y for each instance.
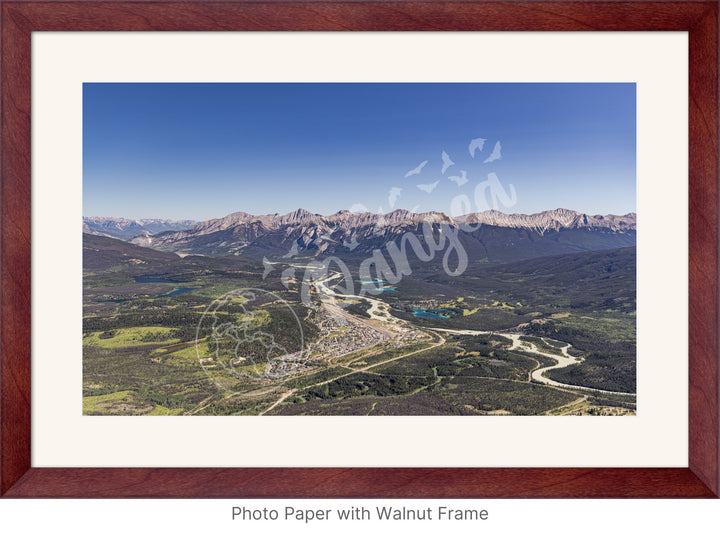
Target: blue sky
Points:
(200, 151)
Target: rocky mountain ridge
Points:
(120, 227)
(302, 232)
(553, 220)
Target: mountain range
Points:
(487, 236)
(125, 229)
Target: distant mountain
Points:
(118, 227)
(487, 236)
(553, 220)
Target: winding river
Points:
(381, 311)
(563, 361)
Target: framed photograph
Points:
(359, 249)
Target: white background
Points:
(506, 517)
(657, 62)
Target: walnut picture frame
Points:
(19, 479)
